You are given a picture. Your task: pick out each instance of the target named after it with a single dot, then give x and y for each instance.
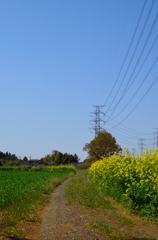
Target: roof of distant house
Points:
(34, 160)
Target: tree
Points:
(104, 144)
(57, 158)
(66, 158)
(7, 156)
(25, 159)
(76, 158)
(2, 155)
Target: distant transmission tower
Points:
(141, 144)
(156, 136)
(133, 150)
(96, 122)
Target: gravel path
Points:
(63, 221)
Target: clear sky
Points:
(59, 58)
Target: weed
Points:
(82, 191)
(123, 220)
(107, 230)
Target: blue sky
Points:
(60, 58)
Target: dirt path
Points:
(63, 221)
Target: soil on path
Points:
(62, 221)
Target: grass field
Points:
(22, 190)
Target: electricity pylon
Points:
(96, 122)
(156, 137)
(141, 144)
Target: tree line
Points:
(103, 145)
(9, 159)
(7, 156)
(57, 158)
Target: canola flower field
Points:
(18, 182)
(130, 179)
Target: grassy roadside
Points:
(81, 190)
(16, 215)
(109, 217)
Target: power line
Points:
(97, 120)
(137, 89)
(136, 28)
(143, 48)
(124, 132)
(141, 34)
(138, 102)
(127, 128)
(155, 40)
(126, 90)
(134, 50)
(117, 49)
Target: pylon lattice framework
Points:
(141, 144)
(156, 142)
(97, 120)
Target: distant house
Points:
(33, 162)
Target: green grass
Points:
(123, 220)
(82, 191)
(107, 230)
(21, 192)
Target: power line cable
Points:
(137, 89)
(141, 34)
(123, 132)
(125, 92)
(129, 142)
(136, 28)
(142, 63)
(147, 39)
(138, 102)
(127, 134)
(130, 129)
(117, 48)
(139, 69)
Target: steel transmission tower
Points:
(98, 119)
(156, 136)
(141, 144)
(133, 150)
